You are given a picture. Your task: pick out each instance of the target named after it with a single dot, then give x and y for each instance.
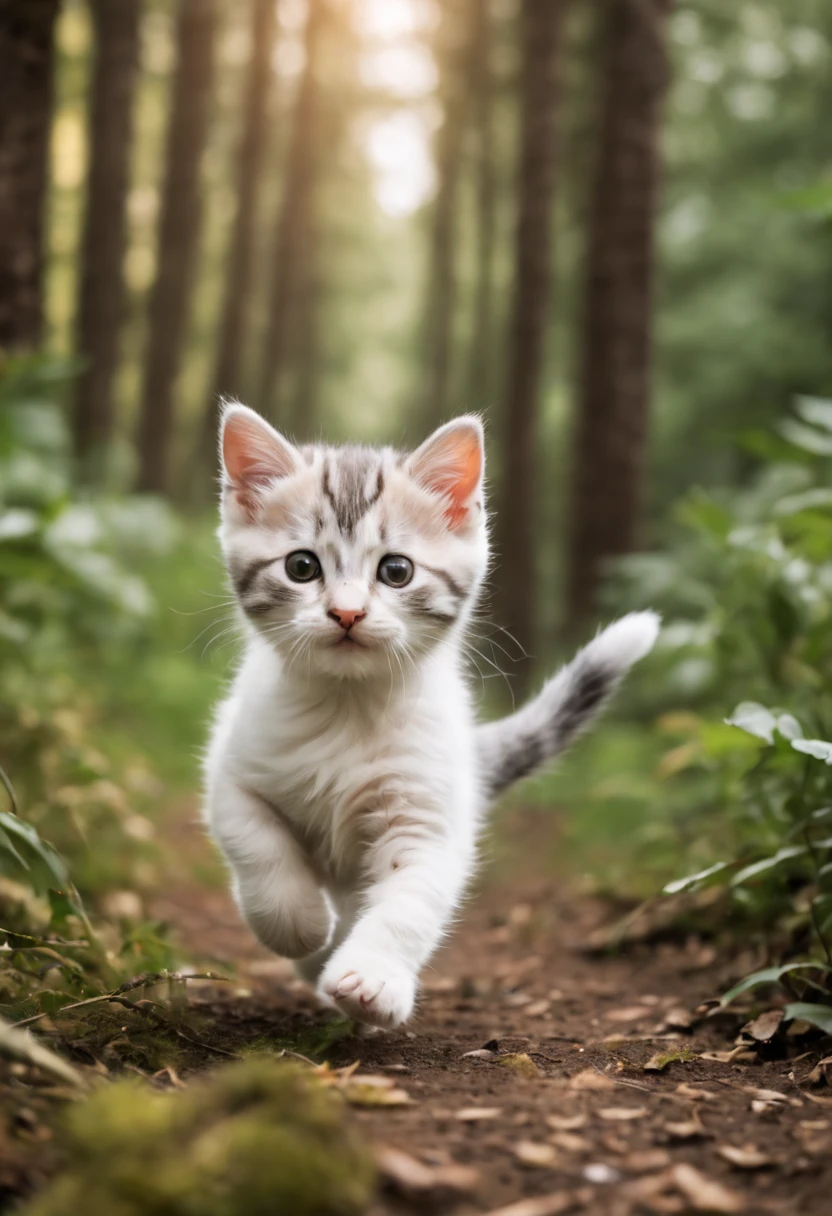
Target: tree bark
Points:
(441, 295)
(27, 30)
(178, 238)
(241, 254)
(517, 589)
(481, 364)
(614, 395)
(101, 289)
(295, 220)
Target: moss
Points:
(257, 1137)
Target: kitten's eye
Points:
(395, 571)
(303, 566)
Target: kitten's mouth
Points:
(349, 642)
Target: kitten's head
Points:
(353, 561)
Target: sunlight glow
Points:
(397, 63)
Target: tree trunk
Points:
(529, 319)
(26, 83)
(294, 221)
(614, 396)
(241, 254)
(481, 365)
(178, 237)
(101, 289)
(442, 286)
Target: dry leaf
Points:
(533, 1153)
(477, 1114)
(623, 1114)
(543, 1205)
(736, 1055)
(763, 1028)
(652, 1192)
(589, 1078)
(520, 1063)
(644, 1160)
(630, 1014)
(481, 1053)
(773, 1096)
(746, 1158)
(696, 1095)
(570, 1143)
(413, 1177)
(679, 1019)
(538, 1009)
(601, 1173)
(690, 1129)
(705, 1194)
(566, 1123)
(821, 1074)
(21, 1045)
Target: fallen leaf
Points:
(746, 1158)
(623, 1114)
(770, 1095)
(518, 999)
(703, 1193)
(814, 1125)
(660, 1061)
(642, 1161)
(18, 1044)
(477, 1114)
(538, 1009)
(535, 1154)
(690, 1129)
(543, 1205)
(695, 1094)
(570, 1143)
(566, 1123)
(412, 1177)
(520, 1063)
(481, 1053)
(679, 1019)
(737, 1054)
(653, 1192)
(821, 1074)
(763, 1028)
(631, 1014)
(590, 1079)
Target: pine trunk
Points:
(241, 255)
(529, 319)
(101, 290)
(481, 364)
(294, 223)
(442, 287)
(178, 238)
(26, 88)
(614, 400)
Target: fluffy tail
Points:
(515, 746)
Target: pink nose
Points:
(346, 617)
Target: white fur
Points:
(347, 790)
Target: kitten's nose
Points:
(346, 617)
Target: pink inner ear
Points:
(254, 454)
(452, 466)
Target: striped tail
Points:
(514, 747)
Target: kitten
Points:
(347, 776)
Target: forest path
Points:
(588, 1130)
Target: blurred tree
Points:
(539, 78)
(178, 237)
(452, 49)
(481, 92)
(101, 289)
(26, 93)
(240, 270)
(614, 391)
(293, 242)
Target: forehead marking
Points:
(348, 493)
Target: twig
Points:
(141, 981)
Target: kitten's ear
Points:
(451, 463)
(253, 452)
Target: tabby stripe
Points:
(245, 578)
(451, 583)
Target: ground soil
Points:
(589, 1130)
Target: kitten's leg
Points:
(275, 887)
(416, 885)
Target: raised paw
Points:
(368, 988)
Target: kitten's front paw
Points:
(368, 988)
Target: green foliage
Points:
(257, 1137)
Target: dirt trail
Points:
(589, 1130)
